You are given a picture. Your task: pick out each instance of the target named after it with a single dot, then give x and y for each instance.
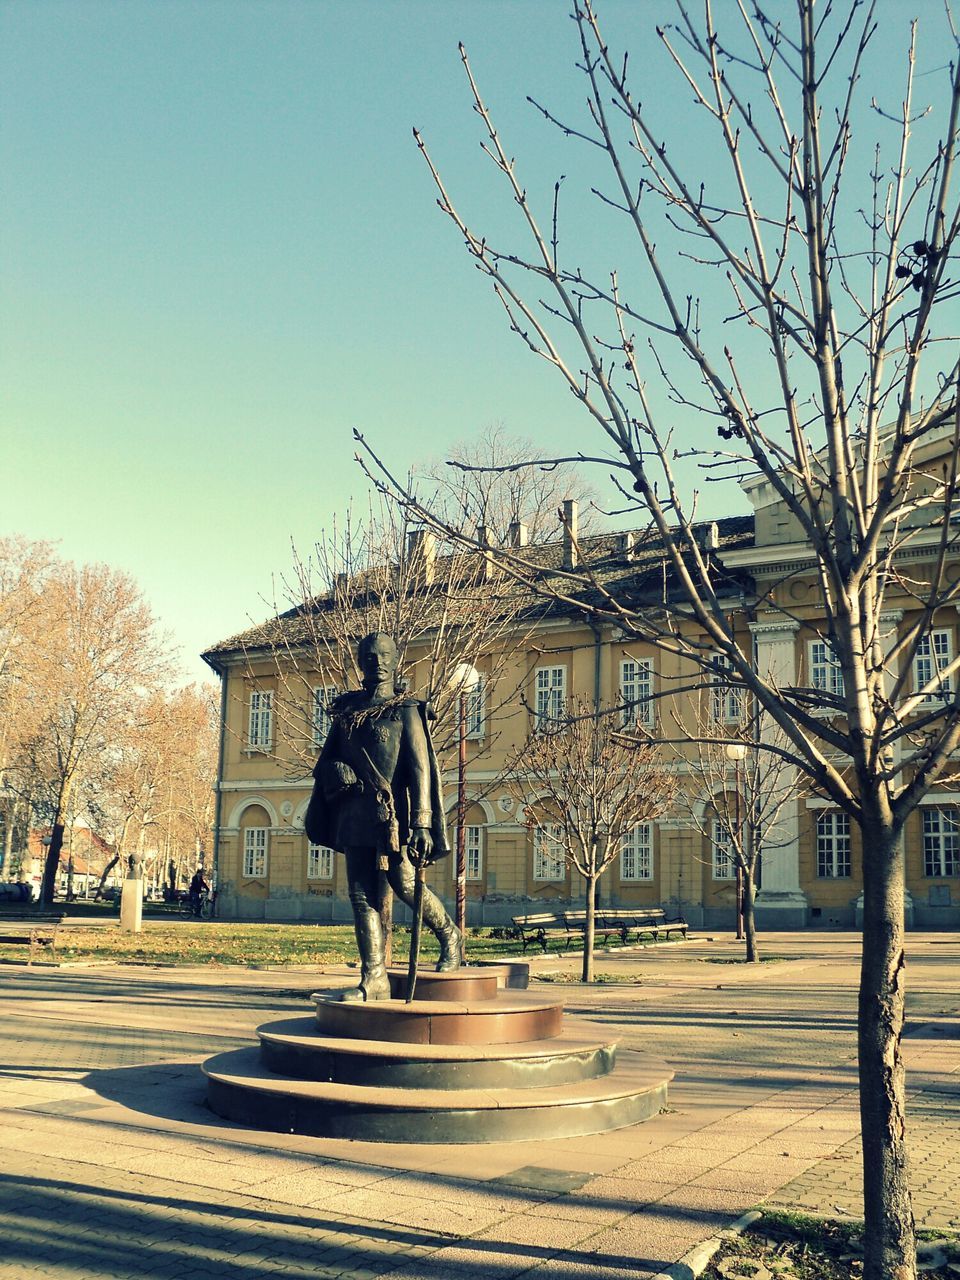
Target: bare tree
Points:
(830, 377)
(736, 797)
(592, 788)
(101, 654)
(446, 607)
(24, 568)
(489, 484)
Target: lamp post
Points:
(737, 751)
(464, 680)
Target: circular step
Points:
(294, 1047)
(462, 984)
(240, 1088)
(511, 1018)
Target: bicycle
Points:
(185, 907)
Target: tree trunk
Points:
(51, 864)
(889, 1240)
(8, 829)
(749, 916)
(103, 876)
(590, 930)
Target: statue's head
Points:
(377, 656)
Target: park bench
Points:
(36, 929)
(539, 927)
(643, 922)
(603, 930)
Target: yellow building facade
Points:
(274, 723)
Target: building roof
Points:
(630, 566)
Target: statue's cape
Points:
(320, 821)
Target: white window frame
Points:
(636, 692)
(473, 852)
(825, 670)
(934, 653)
(727, 702)
(319, 861)
(941, 843)
(474, 708)
(260, 720)
(549, 862)
(256, 852)
(550, 695)
(636, 854)
(833, 845)
(320, 718)
(723, 858)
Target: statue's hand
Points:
(420, 848)
(338, 778)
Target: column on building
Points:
(781, 903)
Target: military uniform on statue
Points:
(377, 799)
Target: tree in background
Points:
(24, 569)
(586, 790)
(736, 797)
(98, 656)
(489, 484)
(829, 372)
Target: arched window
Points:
(255, 842)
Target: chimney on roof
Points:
(422, 553)
(710, 538)
(486, 560)
(519, 534)
(341, 588)
(626, 544)
(570, 514)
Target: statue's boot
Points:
(446, 932)
(374, 983)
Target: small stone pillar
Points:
(131, 898)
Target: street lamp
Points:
(737, 752)
(463, 681)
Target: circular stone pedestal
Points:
(463, 1062)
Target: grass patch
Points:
(741, 960)
(199, 942)
(802, 1248)
(620, 979)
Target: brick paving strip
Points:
(110, 1166)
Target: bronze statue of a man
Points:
(377, 798)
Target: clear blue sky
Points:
(220, 253)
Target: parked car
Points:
(17, 891)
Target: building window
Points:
(473, 708)
(833, 846)
(260, 725)
(551, 696)
(825, 670)
(473, 852)
(941, 842)
(319, 862)
(636, 853)
(724, 855)
(636, 692)
(934, 653)
(548, 860)
(727, 701)
(255, 853)
(323, 695)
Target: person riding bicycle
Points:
(199, 889)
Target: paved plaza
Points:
(113, 1167)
